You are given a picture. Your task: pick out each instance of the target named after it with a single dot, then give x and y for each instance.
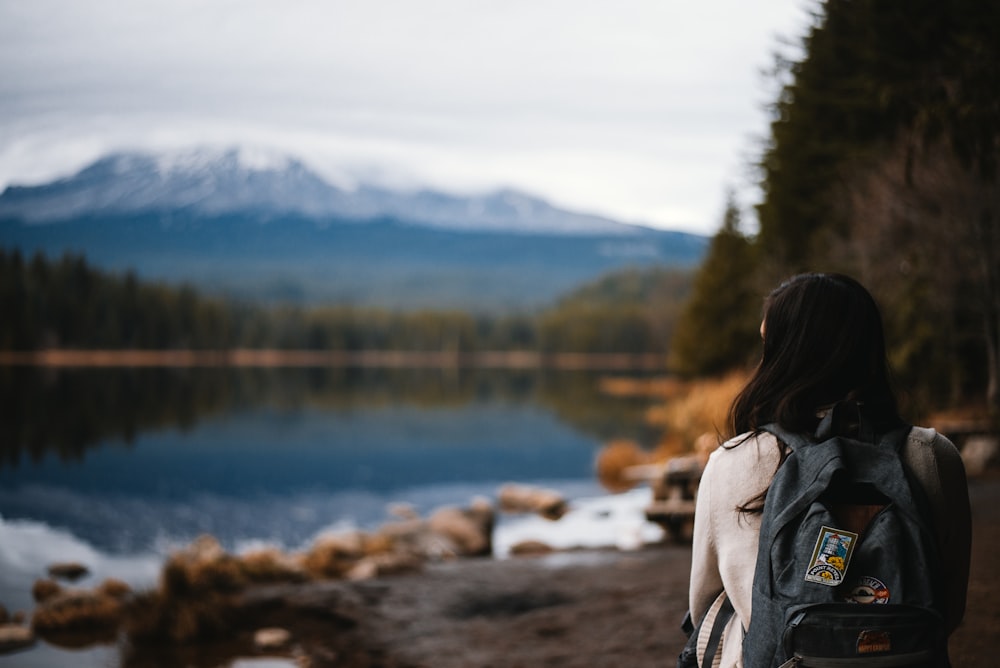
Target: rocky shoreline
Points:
(575, 609)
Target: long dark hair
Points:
(823, 343)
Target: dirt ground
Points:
(587, 609)
(592, 609)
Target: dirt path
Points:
(603, 609)
(589, 609)
(578, 610)
(977, 640)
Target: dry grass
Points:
(692, 415)
(625, 386)
(614, 460)
(699, 410)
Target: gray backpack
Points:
(847, 569)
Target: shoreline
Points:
(577, 608)
(253, 357)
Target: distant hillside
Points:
(273, 230)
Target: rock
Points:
(525, 499)
(114, 588)
(204, 548)
(271, 565)
(68, 570)
(14, 637)
(411, 536)
(470, 530)
(365, 569)
(333, 555)
(202, 566)
(271, 639)
(384, 564)
(530, 548)
(4, 615)
(76, 610)
(45, 589)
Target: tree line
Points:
(67, 303)
(881, 162)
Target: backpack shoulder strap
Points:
(705, 641)
(793, 440)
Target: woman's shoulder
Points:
(747, 452)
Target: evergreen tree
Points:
(883, 162)
(719, 326)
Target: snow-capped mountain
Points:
(231, 181)
(264, 226)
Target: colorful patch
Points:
(868, 590)
(831, 556)
(871, 642)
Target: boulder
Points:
(378, 565)
(77, 610)
(411, 536)
(68, 570)
(14, 637)
(516, 498)
(114, 588)
(45, 589)
(203, 549)
(469, 530)
(271, 639)
(203, 566)
(272, 565)
(333, 555)
(530, 548)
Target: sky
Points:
(646, 111)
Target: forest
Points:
(881, 162)
(67, 303)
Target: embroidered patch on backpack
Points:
(831, 556)
(870, 642)
(868, 590)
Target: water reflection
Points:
(67, 412)
(116, 467)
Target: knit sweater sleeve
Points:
(706, 581)
(724, 545)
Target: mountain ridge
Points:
(273, 231)
(229, 181)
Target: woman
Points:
(823, 343)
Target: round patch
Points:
(868, 590)
(825, 572)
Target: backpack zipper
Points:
(912, 658)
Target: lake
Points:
(116, 467)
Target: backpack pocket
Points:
(831, 635)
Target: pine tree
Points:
(719, 325)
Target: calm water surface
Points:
(117, 467)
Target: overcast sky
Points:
(643, 110)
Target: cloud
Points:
(638, 109)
